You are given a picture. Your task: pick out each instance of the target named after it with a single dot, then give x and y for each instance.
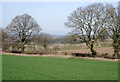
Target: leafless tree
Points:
(113, 28)
(4, 40)
(4, 36)
(89, 23)
(44, 39)
(71, 39)
(0, 39)
(22, 27)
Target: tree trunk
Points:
(116, 53)
(116, 47)
(45, 47)
(93, 51)
(22, 47)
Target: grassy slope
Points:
(47, 68)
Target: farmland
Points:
(50, 68)
(36, 44)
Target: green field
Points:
(51, 68)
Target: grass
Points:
(50, 68)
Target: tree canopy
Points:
(89, 23)
(22, 27)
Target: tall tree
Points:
(22, 27)
(114, 27)
(89, 23)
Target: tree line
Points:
(89, 24)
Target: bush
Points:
(38, 52)
(67, 53)
(31, 52)
(82, 54)
(105, 55)
(12, 51)
(5, 45)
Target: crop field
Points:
(51, 68)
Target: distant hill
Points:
(57, 36)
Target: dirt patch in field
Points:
(108, 50)
(99, 50)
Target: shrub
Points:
(38, 52)
(82, 54)
(12, 51)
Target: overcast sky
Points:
(51, 16)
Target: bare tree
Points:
(44, 39)
(4, 40)
(4, 35)
(113, 28)
(71, 39)
(0, 38)
(89, 23)
(22, 27)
